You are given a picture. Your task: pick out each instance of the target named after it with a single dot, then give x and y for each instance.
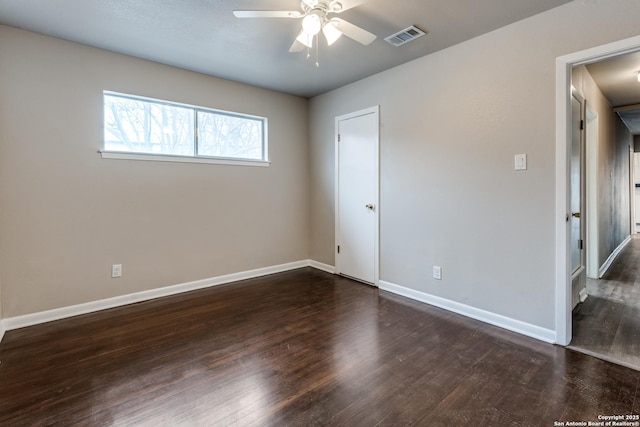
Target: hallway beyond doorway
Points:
(607, 324)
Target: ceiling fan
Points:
(316, 16)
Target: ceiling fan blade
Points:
(348, 4)
(296, 47)
(354, 32)
(267, 14)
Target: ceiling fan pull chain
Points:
(317, 52)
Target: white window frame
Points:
(158, 157)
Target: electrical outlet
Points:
(116, 270)
(437, 272)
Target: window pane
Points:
(222, 135)
(132, 125)
(147, 126)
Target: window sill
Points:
(182, 159)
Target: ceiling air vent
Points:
(405, 36)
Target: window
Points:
(142, 128)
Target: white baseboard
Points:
(1, 330)
(17, 322)
(324, 267)
(504, 322)
(607, 264)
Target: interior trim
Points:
(523, 328)
(17, 322)
(321, 266)
(607, 264)
(182, 159)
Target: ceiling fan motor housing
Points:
(325, 7)
(335, 6)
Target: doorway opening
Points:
(607, 188)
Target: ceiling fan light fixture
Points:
(331, 32)
(311, 24)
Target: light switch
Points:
(521, 162)
(116, 270)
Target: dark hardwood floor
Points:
(607, 324)
(301, 348)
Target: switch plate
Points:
(520, 162)
(437, 272)
(116, 270)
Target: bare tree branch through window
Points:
(138, 125)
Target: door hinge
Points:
(581, 124)
(338, 248)
(580, 244)
(338, 137)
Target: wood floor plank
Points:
(301, 348)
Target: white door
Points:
(357, 195)
(578, 271)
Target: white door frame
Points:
(376, 111)
(564, 64)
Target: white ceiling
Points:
(617, 78)
(204, 36)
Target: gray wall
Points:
(621, 186)
(67, 214)
(451, 123)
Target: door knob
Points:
(369, 206)
(576, 214)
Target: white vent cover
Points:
(405, 36)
